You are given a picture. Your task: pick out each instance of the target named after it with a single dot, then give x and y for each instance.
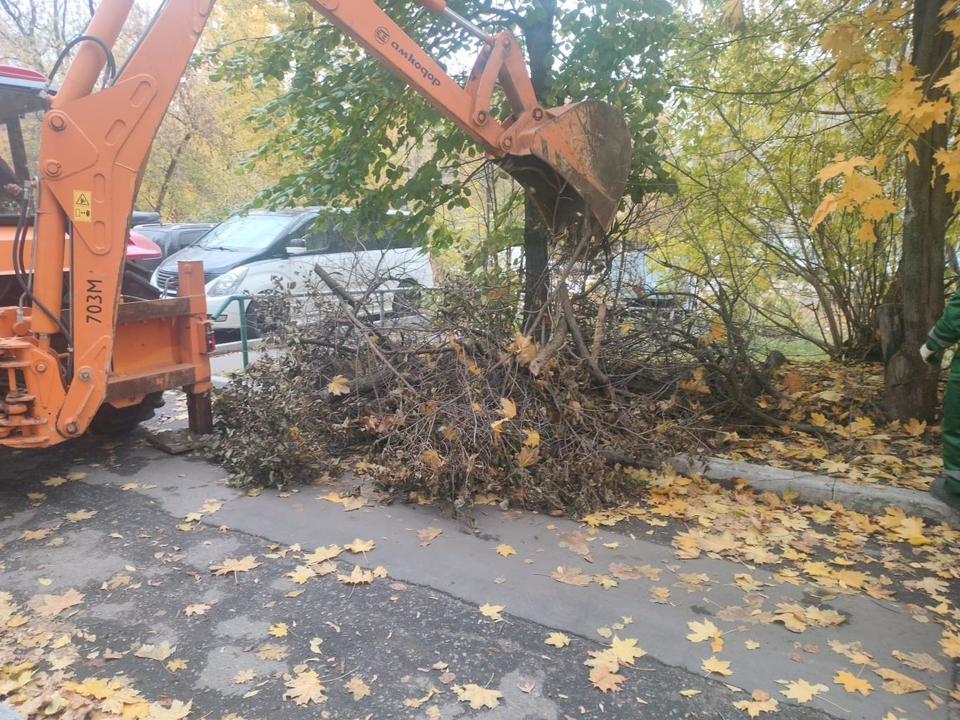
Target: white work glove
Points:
(925, 352)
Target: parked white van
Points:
(249, 254)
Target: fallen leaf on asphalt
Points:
(752, 644)
(852, 683)
(279, 630)
(301, 574)
(951, 644)
(196, 609)
(272, 652)
(919, 661)
(759, 702)
(235, 566)
(477, 696)
(315, 644)
(176, 664)
(505, 550)
(322, 554)
(605, 680)
(176, 711)
(557, 639)
(359, 576)
(305, 688)
(717, 667)
(492, 612)
(427, 535)
(801, 690)
(690, 693)
(80, 515)
(41, 534)
(358, 688)
(703, 631)
(626, 651)
(852, 651)
(571, 576)
(156, 652)
(898, 683)
(51, 605)
(244, 676)
(360, 546)
(575, 541)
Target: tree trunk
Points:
(538, 34)
(171, 167)
(911, 389)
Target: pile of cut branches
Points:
(460, 400)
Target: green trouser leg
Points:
(950, 430)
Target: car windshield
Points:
(246, 233)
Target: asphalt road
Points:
(415, 634)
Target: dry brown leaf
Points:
(898, 683)
(571, 576)
(156, 652)
(605, 680)
(51, 605)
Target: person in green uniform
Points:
(944, 334)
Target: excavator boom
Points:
(77, 344)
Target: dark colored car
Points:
(171, 237)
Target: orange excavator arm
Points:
(94, 144)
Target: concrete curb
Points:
(813, 488)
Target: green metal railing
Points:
(241, 301)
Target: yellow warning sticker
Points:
(81, 206)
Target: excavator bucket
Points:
(574, 164)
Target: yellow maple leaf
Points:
(505, 550)
(626, 651)
(51, 605)
(235, 566)
(80, 515)
(339, 386)
(852, 683)
(508, 408)
(322, 554)
(279, 630)
(359, 576)
(177, 711)
(950, 642)
(305, 688)
(801, 690)
(244, 676)
(358, 688)
(156, 652)
(840, 166)
(478, 697)
(557, 639)
(360, 546)
(878, 208)
(703, 631)
(176, 664)
(759, 702)
(717, 666)
(914, 427)
(823, 211)
(533, 438)
(492, 612)
(867, 233)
